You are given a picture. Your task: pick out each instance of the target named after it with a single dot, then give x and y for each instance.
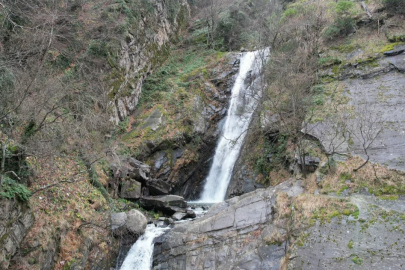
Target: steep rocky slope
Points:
(82, 66)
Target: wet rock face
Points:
(244, 178)
(16, 219)
(230, 236)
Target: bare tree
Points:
(365, 128)
(292, 72)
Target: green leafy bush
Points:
(341, 27)
(289, 12)
(11, 189)
(343, 7)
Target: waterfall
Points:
(243, 102)
(140, 256)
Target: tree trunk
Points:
(3, 162)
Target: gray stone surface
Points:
(230, 236)
(168, 204)
(382, 93)
(158, 187)
(130, 189)
(16, 219)
(374, 241)
(154, 121)
(135, 57)
(131, 224)
(179, 215)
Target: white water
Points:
(139, 256)
(242, 105)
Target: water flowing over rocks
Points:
(232, 235)
(243, 103)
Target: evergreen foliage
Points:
(11, 190)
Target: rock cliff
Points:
(146, 46)
(16, 218)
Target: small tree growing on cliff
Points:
(365, 128)
(291, 74)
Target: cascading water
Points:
(242, 105)
(139, 256)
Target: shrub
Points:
(341, 27)
(289, 12)
(11, 189)
(395, 6)
(343, 7)
(98, 48)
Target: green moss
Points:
(346, 212)
(334, 214)
(301, 240)
(133, 187)
(336, 70)
(399, 38)
(132, 134)
(369, 61)
(343, 188)
(350, 244)
(357, 260)
(388, 197)
(345, 176)
(345, 48)
(390, 46)
(356, 214)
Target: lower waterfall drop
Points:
(242, 105)
(139, 256)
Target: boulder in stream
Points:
(128, 224)
(168, 204)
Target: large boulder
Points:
(128, 224)
(168, 204)
(131, 189)
(158, 187)
(130, 168)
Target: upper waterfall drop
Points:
(243, 103)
